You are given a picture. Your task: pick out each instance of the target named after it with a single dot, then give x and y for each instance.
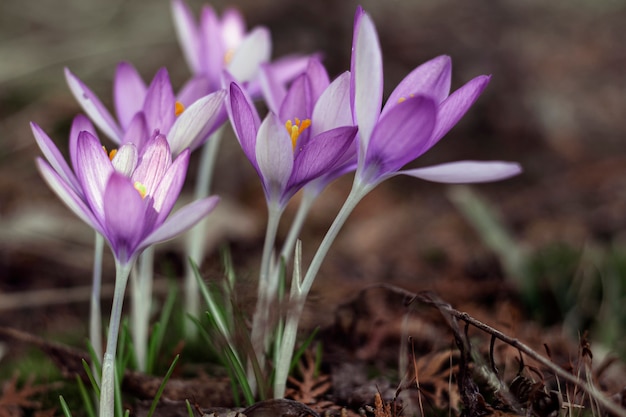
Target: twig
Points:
(587, 387)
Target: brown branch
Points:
(590, 389)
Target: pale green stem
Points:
(141, 293)
(107, 386)
(196, 241)
(296, 226)
(267, 292)
(298, 296)
(95, 314)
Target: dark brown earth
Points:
(556, 104)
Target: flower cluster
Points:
(316, 129)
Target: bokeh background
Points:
(556, 104)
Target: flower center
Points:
(140, 188)
(179, 108)
(111, 154)
(294, 129)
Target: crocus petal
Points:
(318, 78)
(367, 76)
(455, 106)
(159, 105)
(297, 102)
(169, 187)
(466, 171)
(400, 136)
(93, 169)
(274, 91)
(432, 79)
(333, 107)
(155, 161)
(129, 92)
(137, 132)
(187, 33)
(124, 211)
(55, 158)
(274, 156)
(212, 53)
(93, 107)
(71, 199)
(194, 89)
(233, 28)
(245, 120)
(180, 221)
(194, 124)
(320, 154)
(79, 124)
(125, 160)
(255, 49)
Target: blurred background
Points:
(556, 104)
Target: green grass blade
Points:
(162, 387)
(94, 383)
(85, 395)
(64, 407)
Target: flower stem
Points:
(296, 226)
(107, 387)
(195, 238)
(267, 291)
(141, 293)
(95, 315)
(300, 289)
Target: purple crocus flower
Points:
(142, 110)
(306, 133)
(418, 113)
(215, 45)
(126, 195)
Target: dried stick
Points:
(590, 389)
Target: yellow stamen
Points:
(141, 188)
(179, 108)
(228, 56)
(401, 99)
(111, 154)
(296, 129)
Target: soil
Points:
(553, 280)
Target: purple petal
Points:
(297, 102)
(233, 28)
(274, 91)
(194, 89)
(245, 121)
(255, 49)
(466, 171)
(401, 136)
(137, 132)
(284, 69)
(274, 155)
(212, 50)
(169, 187)
(93, 169)
(129, 92)
(155, 161)
(93, 107)
(188, 34)
(71, 199)
(181, 221)
(79, 124)
(55, 158)
(432, 79)
(194, 124)
(159, 105)
(124, 212)
(321, 154)
(367, 76)
(318, 78)
(125, 160)
(455, 106)
(333, 107)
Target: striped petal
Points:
(93, 169)
(187, 33)
(245, 120)
(333, 107)
(274, 155)
(255, 49)
(159, 105)
(129, 92)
